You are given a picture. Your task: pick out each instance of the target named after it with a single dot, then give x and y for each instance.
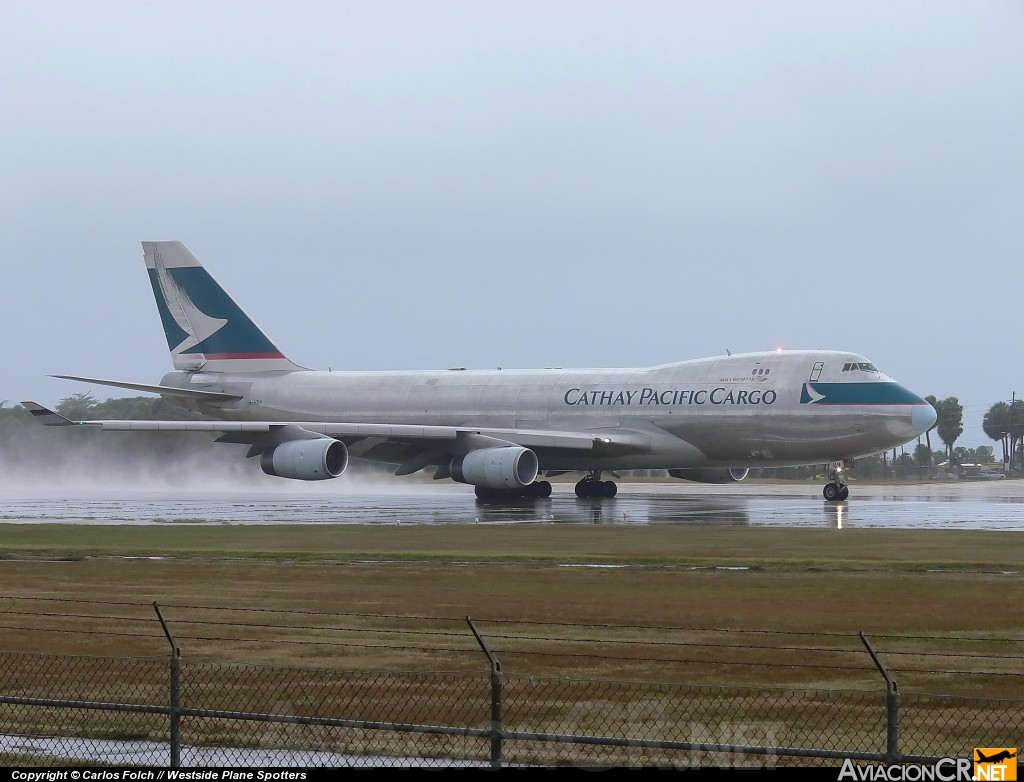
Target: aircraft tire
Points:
(831, 492)
(588, 489)
(542, 489)
(844, 493)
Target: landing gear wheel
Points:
(593, 487)
(832, 492)
(533, 491)
(844, 493)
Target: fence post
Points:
(175, 691)
(892, 705)
(495, 697)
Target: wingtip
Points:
(45, 415)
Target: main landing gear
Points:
(593, 487)
(537, 490)
(837, 490)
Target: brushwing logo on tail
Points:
(196, 324)
(186, 296)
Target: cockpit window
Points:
(862, 366)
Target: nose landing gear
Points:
(837, 490)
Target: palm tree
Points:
(1016, 430)
(1005, 423)
(996, 424)
(950, 422)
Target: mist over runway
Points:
(992, 505)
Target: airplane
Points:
(503, 431)
(996, 758)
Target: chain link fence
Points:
(76, 710)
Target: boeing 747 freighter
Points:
(502, 431)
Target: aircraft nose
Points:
(923, 417)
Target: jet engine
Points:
(710, 474)
(510, 467)
(306, 460)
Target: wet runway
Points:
(994, 505)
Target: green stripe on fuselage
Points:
(883, 393)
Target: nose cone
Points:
(922, 417)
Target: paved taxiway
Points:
(992, 505)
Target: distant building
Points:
(966, 471)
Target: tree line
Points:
(1003, 423)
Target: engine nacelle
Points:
(511, 467)
(710, 474)
(306, 460)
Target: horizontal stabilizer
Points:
(187, 393)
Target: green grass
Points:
(537, 544)
(396, 597)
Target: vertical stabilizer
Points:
(204, 327)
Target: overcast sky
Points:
(393, 185)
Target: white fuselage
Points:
(749, 410)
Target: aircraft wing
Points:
(451, 439)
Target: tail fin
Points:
(205, 329)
